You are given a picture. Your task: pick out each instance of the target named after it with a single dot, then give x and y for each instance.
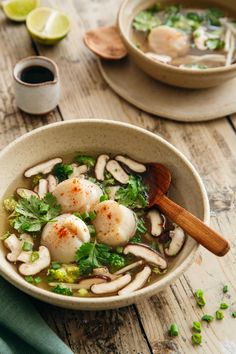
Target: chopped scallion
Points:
(197, 326)
(196, 338)
(173, 330)
(200, 298)
(207, 318)
(27, 246)
(219, 315)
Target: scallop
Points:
(169, 41)
(64, 236)
(77, 194)
(115, 224)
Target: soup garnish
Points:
(190, 38)
(84, 229)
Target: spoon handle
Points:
(193, 226)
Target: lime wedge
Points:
(47, 26)
(17, 10)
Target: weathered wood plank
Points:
(232, 120)
(107, 332)
(15, 44)
(210, 146)
(212, 149)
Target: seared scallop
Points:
(168, 41)
(64, 236)
(115, 224)
(77, 194)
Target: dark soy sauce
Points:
(36, 75)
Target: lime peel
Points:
(18, 10)
(47, 26)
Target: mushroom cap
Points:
(43, 167)
(132, 164)
(100, 166)
(26, 193)
(147, 253)
(64, 236)
(156, 221)
(112, 286)
(115, 224)
(138, 282)
(77, 194)
(177, 240)
(117, 171)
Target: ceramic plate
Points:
(174, 103)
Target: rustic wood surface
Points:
(211, 147)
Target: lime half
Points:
(18, 10)
(47, 26)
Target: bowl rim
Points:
(171, 68)
(60, 300)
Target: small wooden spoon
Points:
(106, 43)
(158, 179)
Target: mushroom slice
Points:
(31, 268)
(147, 253)
(117, 171)
(42, 188)
(14, 244)
(112, 286)
(24, 256)
(78, 171)
(177, 240)
(26, 193)
(159, 57)
(129, 267)
(87, 282)
(111, 191)
(100, 166)
(104, 272)
(138, 282)
(44, 167)
(52, 183)
(156, 222)
(133, 165)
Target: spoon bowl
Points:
(158, 179)
(106, 42)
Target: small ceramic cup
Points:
(36, 98)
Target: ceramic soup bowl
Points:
(98, 136)
(168, 73)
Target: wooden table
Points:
(210, 146)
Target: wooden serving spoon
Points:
(158, 179)
(106, 43)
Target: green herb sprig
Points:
(94, 255)
(134, 194)
(32, 214)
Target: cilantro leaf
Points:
(146, 20)
(94, 255)
(62, 171)
(33, 213)
(213, 16)
(141, 229)
(133, 195)
(215, 43)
